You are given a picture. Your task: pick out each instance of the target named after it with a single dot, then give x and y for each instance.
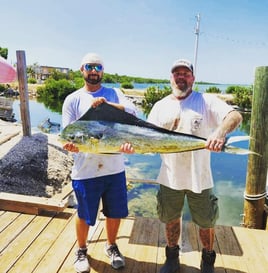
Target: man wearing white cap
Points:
(97, 177)
(188, 174)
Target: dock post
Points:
(24, 97)
(255, 192)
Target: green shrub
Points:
(2, 88)
(151, 96)
(127, 85)
(56, 90)
(213, 89)
(231, 89)
(243, 97)
(32, 80)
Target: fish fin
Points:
(107, 112)
(233, 139)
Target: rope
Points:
(254, 197)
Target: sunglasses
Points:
(90, 67)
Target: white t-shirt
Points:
(76, 104)
(198, 114)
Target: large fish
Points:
(104, 129)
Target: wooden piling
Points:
(24, 97)
(255, 192)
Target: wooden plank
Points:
(16, 207)
(98, 261)
(30, 204)
(144, 239)
(190, 249)
(253, 244)
(17, 247)
(46, 243)
(14, 229)
(36, 252)
(65, 193)
(51, 262)
(145, 231)
(67, 266)
(229, 252)
(6, 218)
(8, 137)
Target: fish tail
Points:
(239, 151)
(236, 150)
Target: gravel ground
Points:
(35, 165)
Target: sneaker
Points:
(116, 258)
(81, 264)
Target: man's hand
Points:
(71, 147)
(215, 142)
(127, 148)
(97, 101)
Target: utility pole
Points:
(197, 31)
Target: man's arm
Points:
(216, 140)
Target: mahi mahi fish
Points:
(102, 130)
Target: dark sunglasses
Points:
(90, 67)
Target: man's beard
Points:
(180, 92)
(93, 79)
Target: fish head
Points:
(82, 132)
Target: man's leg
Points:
(112, 226)
(207, 238)
(82, 229)
(173, 231)
(169, 206)
(208, 254)
(81, 263)
(111, 248)
(204, 210)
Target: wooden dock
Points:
(46, 243)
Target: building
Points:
(43, 72)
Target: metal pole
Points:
(197, 31)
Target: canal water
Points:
(229, 172)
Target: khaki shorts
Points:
(203, 206)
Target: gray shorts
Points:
(203, 206)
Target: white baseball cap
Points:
(92, 58)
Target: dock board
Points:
(46, 243)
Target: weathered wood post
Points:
(255, 192)
(24, 97)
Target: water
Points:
(229, 172)
(198, 87)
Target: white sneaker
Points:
(116, 258)
(81, 264)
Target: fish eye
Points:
(96, 136)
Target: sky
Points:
(141, 37)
